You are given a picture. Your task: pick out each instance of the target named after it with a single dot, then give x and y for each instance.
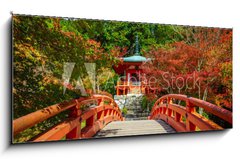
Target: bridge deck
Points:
(130, 128)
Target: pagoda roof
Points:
(134, 58)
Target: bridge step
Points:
(131, 128)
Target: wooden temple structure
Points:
(132, 78)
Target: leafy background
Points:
(42, 45)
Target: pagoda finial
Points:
(136, 46)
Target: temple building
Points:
(132, 78)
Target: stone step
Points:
(137, 118)
(133, 104)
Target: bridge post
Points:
(90, 121)
(75, 112)
(169, 111)
(190, 109)
(177, 117)
(100, 115)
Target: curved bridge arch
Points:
(185, 118)
(105, 111)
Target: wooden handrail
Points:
(34, 118)
(96, 118)
(185, 118)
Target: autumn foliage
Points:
(200, 67)
(196, 61)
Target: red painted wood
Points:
(164, 109)
(96, 118)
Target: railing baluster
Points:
(190, 109)
(90, 121)
(177, 117)
(100, 115)
(76, 112)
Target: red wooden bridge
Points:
(103, 118)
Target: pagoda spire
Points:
(136, 46)
(136, 54)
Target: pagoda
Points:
(131, 74)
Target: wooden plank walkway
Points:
(135, 127)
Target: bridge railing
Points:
(185, 118)
(103, 110)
